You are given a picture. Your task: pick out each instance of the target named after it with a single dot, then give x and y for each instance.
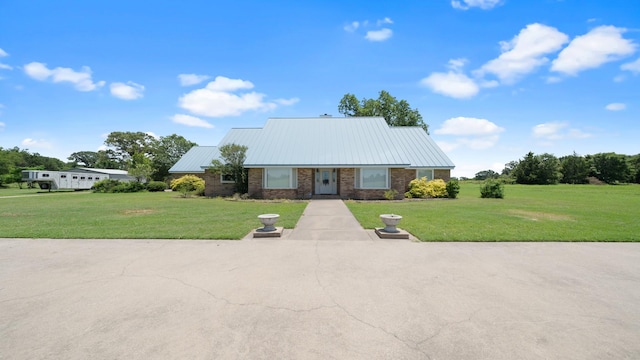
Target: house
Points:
(76, 179)
(350, 158)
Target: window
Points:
(82, 177)
(428, 173)
(90, 177)
(280, 178)
(372, 178)
(63, 176)
(45, 175)
(227, 178)
(97, 177)
(75, 177)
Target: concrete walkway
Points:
(329, 220)
(291, 299)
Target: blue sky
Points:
(494, 79)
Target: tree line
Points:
(545, 169)
(141, 154)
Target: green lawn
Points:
(527, 213)
(162, 215)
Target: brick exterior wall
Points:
(305, 183)
(214, 187)
(346, 183)
(444, 174)
(400, 179)
(255, 183)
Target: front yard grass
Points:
(163, 215)
(527, 213)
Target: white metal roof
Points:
(335, 142)
(103, 171)
(196, 160)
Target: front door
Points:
(326, 181)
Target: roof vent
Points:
(326, 115)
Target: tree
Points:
(85, 158)
(233, 156)
(395, 113)
(610, 167)
(540, 169)
(486, 174)
(126, 144)
(509, 167)
(166, 152)
(574, 168)
(140, 168)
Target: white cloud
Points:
(616, 107)
(633, 66)
(153, 135)
(379, 35)
(457, 64)
(192, 79)
(619, 78)
(524, 53)
(33, 143)
(552, 131)
(221, 98)
(599, 46)
(447, 146)
(189, 120)
(553, 79)
(352, 27)
(128, 91)
(6, 67)
(482, 4)
(2, 125)
(384, 21)
(474, 133)
(222, 83)
(452, 84)
(468, 126)
(3, 53)
(549, 131)
(80, 79)
(287, 102)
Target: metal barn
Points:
(73, 179)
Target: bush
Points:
(188, 184)
(417, 188)
(436, 189)
(421, 188)
(453, 188)
(390, 194)
(156, 186)
(116, 186)
(492, 189)
(104, 186)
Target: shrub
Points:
(390, 194)
(453, 188)
(421, 188)
(116, 186)
(155, 186)
(188, 184)
(492, 189)
(436, 189)
(104, 186)
(417, 188)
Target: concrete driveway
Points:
(288, 299)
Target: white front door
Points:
(326, 181)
